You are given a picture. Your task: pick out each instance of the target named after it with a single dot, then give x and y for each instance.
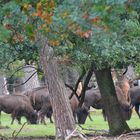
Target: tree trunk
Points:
(117, 124)
(64, 121)
(3, 84)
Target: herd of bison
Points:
(35, 104)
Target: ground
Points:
(93, 130)
(134, 135)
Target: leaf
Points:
(4, 33)
(29, 30)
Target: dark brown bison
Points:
(39, 100)
(36, 96)
(18, 106)
(78, 114)
(45, 111)
(93, 98)
(134, 94)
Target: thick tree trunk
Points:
(117, 124)
(64, 121)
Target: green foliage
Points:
(4, 34)
(137, 70)
(17, 34)
(106, 32)
(115, 30)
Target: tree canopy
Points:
(106, 32)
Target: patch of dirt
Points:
(28, 138)
(4, 127)
(130, 137)
(134, 135)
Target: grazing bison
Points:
(78, 114)
(18, 106)
(93, 98)
(134, 94)
(39, 100)
(35, 95)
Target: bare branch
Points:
(20, 68)
(70, 87)
(125, 71)
(86, 82)
(26, 80)
(77, 83)
(15, 135)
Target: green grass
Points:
(98, 122)
(38, 130)
(41, 130)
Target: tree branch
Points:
(77, 83)
(70, 87)
(86, 82)
(26, 80)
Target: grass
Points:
(41, 130)
(38, 130)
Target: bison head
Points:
(126, 114)
(82, 114)
(33, 117)
(126, 111)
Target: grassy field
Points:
(41, 130)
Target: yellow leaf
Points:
(39, 6)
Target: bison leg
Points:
(104, 115)
(43, 119)
(0, 117)
(90, 117)
(137, 110)
(13, 118)
(74, 115)
(51, 121)
(19, 120)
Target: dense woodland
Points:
(61, 44)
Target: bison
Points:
(134, 94)
(45, 111)
(18, 106)
(39, 100)
(35, 95)
(93, 98)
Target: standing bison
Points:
(46, 110)
(134, 94)
(18, 106)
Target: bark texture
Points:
(64, 121)
(117, 124)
